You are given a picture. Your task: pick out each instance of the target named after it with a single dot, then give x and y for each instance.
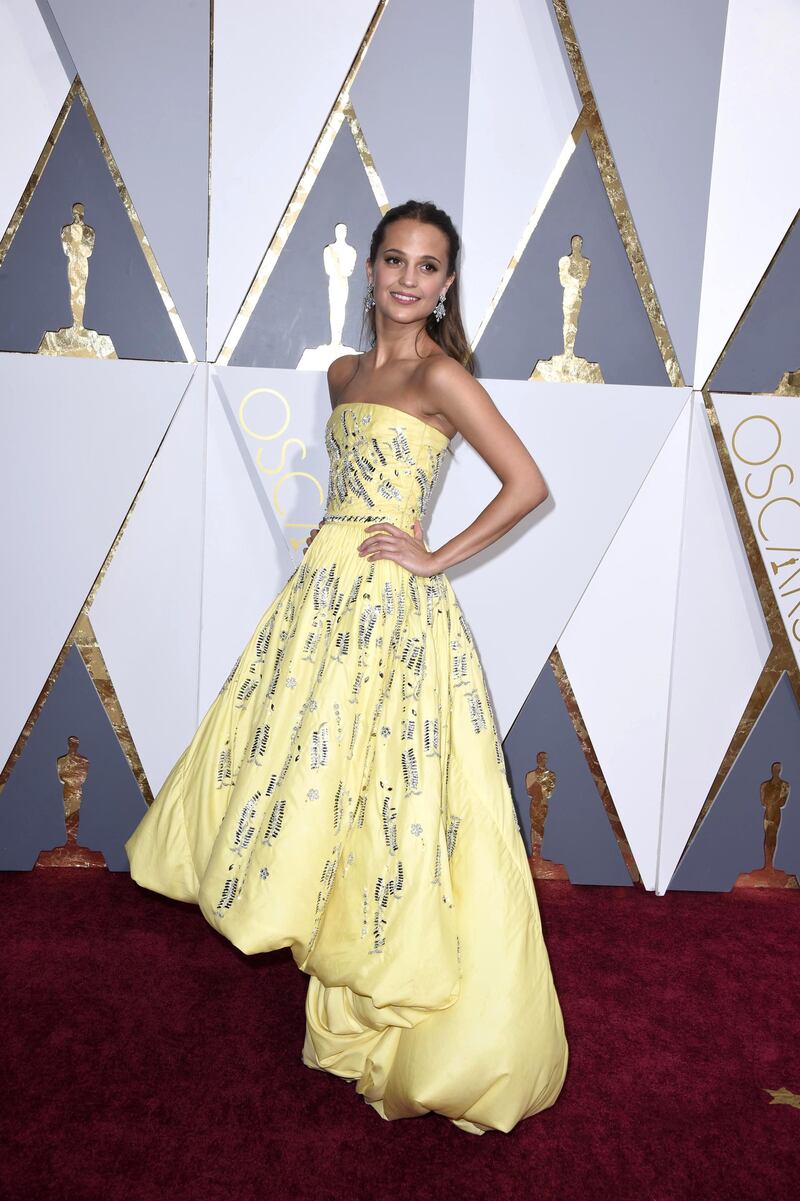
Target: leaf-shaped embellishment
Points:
(476, 712)
(245, 824)
(451, 835)
(275, 822)
(226, 899)
(430, 736)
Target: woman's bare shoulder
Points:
(443, 371)
(443, 378)
(340, 372)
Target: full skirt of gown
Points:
(345, 795)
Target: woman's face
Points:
(410, 270)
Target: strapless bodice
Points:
(384, 463)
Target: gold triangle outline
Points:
(341, 111)
(78, 92)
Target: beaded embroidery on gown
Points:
(345, 795)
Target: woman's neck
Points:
(395, 343)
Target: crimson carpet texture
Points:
(144, 1057)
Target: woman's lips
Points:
(404, 297)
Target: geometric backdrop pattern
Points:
(175, 181)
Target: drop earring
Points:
(440, 310)
(369, 299)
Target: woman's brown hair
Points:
(449, 332)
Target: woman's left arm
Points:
(468, 406)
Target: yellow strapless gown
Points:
(345, 795)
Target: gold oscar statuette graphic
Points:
(339, 260)
(72, 768)
(774, 795)
(77, 239)
(540, 785)
(568, 368)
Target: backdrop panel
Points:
(617, 647)
(146, 612)
(64, 496)
(721, 643)
(34, 80)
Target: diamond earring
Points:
(369, 299)
(440, 310)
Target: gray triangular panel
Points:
(122, 299)
(613, 327)
(577, 832)
(31, 804)
(145, 67)
(730, 840)
(767, 344)
(292, 312)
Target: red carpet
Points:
(145, 1058)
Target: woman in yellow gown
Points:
(345, 794)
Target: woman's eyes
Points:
(392, 259)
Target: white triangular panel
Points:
(763, 439)
(33, 86)
(521, 110)
(721, 644)
(78, 436)
(590, 441)
(277, 73)
(146, 613)
(145, 67)
(246, 561)
(755, 181)
(617, 648)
